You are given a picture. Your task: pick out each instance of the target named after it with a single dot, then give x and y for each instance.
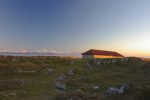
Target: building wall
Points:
(99, 56)
(103, 56)
(88, 56)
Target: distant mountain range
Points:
(77, 54)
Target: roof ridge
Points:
(103, 50)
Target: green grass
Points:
(40, 85)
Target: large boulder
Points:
(114, 90)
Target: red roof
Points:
(102, 52)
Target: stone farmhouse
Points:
(92, 53)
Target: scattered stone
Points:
(60, 85)
(78, 90)
(60, 91)
(80, 99)
(70, 72)
(99, 62)
(126, 59)
(22, 82)
(21, 71)
(12, 93)
(72, 62)
(96, 87)
(109, 61)
(18, 70)
(114, 61)
(61, 77)
(87, 64)
(14, 60)
(32, 71)
(50, 70)
(104, 62)
(125, 86)
(113, 90)
(95, 62)
(121, 60)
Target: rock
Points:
(104, 61)
(70, 72)
(22, 71)
(113, 90)
(114, 61)
(109, 61)
(126, 59)
(60, 85)
(78, 90)
(61, 77)
(80, 99)
(32, 71)
(99, 62)
(125, 86)
(14, 60)
(96, 87)
(60, 91)
(49, 70)
(72, 62)
(12, 93)
(22, 82)
(95, 62)
(18, 70)
(87, 64)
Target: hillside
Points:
(59, 78)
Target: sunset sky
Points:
(75, 26)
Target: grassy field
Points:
(33, 78)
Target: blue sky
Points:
(76, 25)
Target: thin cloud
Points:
(15, 51)
(47, 51)
(53, 51)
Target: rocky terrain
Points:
(64, 78)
